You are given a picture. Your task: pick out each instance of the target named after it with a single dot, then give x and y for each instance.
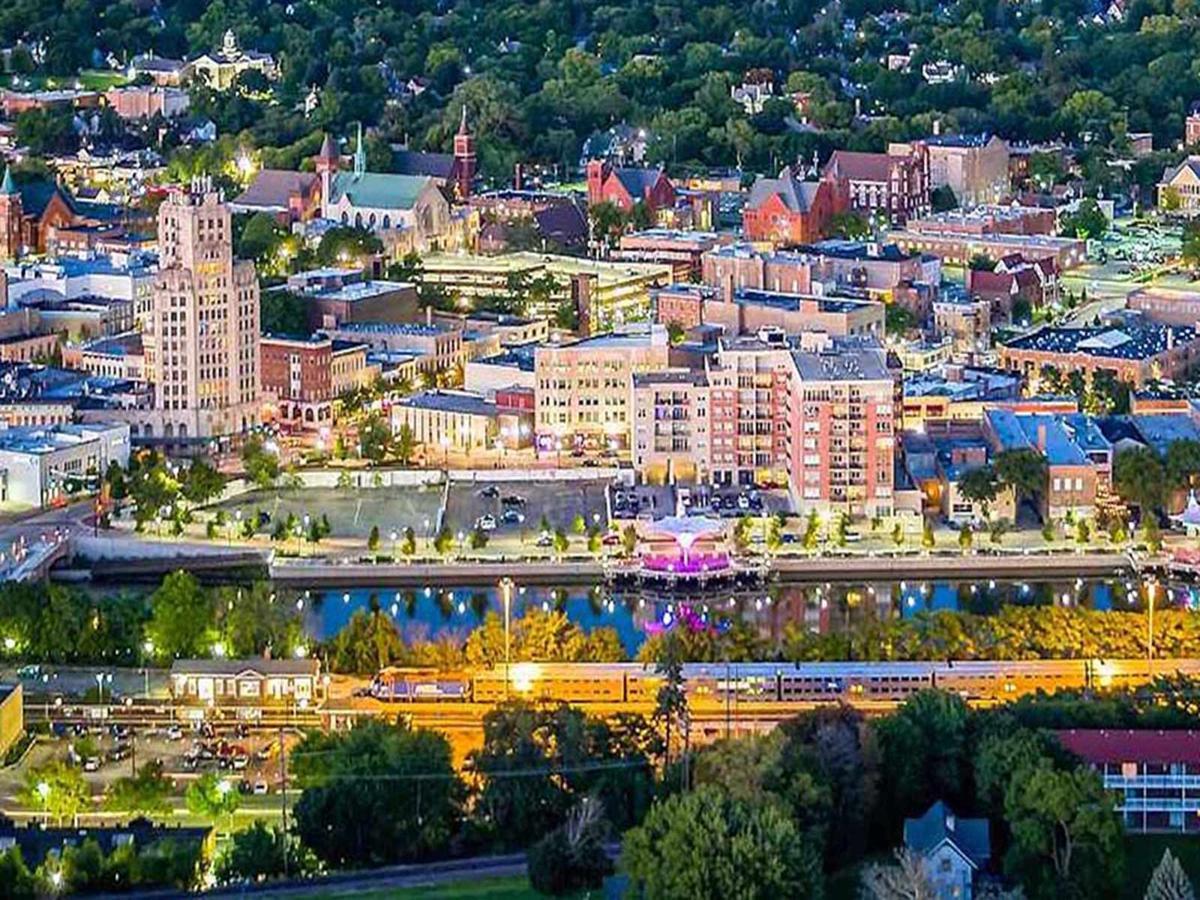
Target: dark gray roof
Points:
(797, 195)
(271, 188)
(240, 666)
(637, 181)
(413, 162)
(1136, 342)
(939, 824)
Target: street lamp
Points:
(102, 677)
(506, 586)
(444, 440)
(1151, 589)
(393, 536)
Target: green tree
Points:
(56, 790)
(928, 541)
(1183, 462)
(979, 485)
(1139, 478)
(924, 746)
(145, 793)
(213, 797)
(375, 438)
(706, 844)
(1023, 470)
(965, 537)
(1087, 221)
(255, 621)
(256, 854)
(16, 881)
(261, 464)
(182, 618)
(1066, 837)
(377, 794)
(406, 444)
(572, 857)
(408, 547)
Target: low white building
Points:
(39, 464)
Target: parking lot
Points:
(249, 761)
(352, 512)
(655, 501)
(516, 508)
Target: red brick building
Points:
(625, 187)
(1013, 279)
(29, 214)
(894, 185)
(787, 210)
(297, 379)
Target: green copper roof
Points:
(8, 186)
(378, 190)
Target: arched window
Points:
(358, 220)
(183, 429)
(372, 220)
(345, 218)
(168, 430)
(387, 220)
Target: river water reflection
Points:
(434, 612)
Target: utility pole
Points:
(283, 798)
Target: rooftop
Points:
(1121, 746)
(254, 666)
(1142, 342)
(842, 365)
(43, 439)
(460, 402)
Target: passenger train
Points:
(582, 683)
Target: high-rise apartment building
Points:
(818, 419)
(584, 388)
(201, 334)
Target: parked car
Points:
(490, 492)
(486, 522)
(512, 517)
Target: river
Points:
(432, 612)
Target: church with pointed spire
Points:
(32, 211)
(455, 171)
(381, 201)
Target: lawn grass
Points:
(1143, 852)
(88, 79)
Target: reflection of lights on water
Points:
(428, 593)
(824, 604)
(758, 605)
(974, 589)
(666, 618)
(545, 606)
(992, 584)
(912, 601)
(395, 609)
(521, 591)
(903, 586)
(462, 607)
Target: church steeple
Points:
(464, 158)
(360, 155)
(11, 218)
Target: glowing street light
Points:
(506, 586)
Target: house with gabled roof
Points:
(953, 850)
(247, 682)
(1179, 187)
(625, 187)
(790, 210)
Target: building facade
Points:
(201, 336)
(894, 186)
(1155, 775)
(788, 210)
(584, 388)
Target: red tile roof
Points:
(1102, 746)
